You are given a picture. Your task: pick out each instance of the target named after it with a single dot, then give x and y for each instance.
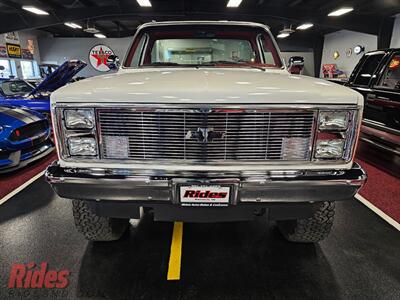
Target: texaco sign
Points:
(98, 56)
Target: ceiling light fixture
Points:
(285, 32)
(305, 26)
(340, 11)
(73, 25)
(234, 3)
(35, 10)
(90, 29)
(100, 36)
(283, 35)
(144, 3)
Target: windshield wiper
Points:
(162, 63)
(231, 62)
(228, 62)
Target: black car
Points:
(377, 77)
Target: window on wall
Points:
(30, 69)
(9, 68)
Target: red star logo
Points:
(101, 57)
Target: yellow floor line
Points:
(174, 266)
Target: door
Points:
(385, 93)
(361, 79)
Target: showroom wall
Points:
(24, 36)
(58, 50)
(395, 42)
(343, 40)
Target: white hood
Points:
(206, 85)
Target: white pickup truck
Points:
(203, 123)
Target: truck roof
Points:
(222, 22)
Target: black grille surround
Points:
(29, 131)
(36, 146)
(218, 135)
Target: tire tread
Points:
(96, 228)
(310, 230)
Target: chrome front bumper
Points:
(269, 187)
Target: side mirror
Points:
(113, 62)
(296, 64)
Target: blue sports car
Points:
(18, 92)
(24, 137)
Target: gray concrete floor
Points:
(248, 260)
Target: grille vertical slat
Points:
(238, 135)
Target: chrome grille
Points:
(181, 135)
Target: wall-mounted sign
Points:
(26, 54)
(13, 50)
(336, 54)
(359, 49)
(30, 45)
(328, 70)
(3, 52)
(98, 56)
(12, 37)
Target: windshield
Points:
(200, 51)
(210, 45)
(15, 87)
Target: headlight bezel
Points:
(63, 133)
(348, 136)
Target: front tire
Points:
(94, 227)
(310, 230)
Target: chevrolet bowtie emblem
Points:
(204, 135)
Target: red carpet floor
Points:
(382, 190)
(10, 181)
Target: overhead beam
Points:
(51, 4)
(318, 50)
(10, 4)
(88, 3)
(102, 29)
(298, 15)
(13, 22)
(22, 15)
(295, 3)
(120, 25)
(385, 33)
